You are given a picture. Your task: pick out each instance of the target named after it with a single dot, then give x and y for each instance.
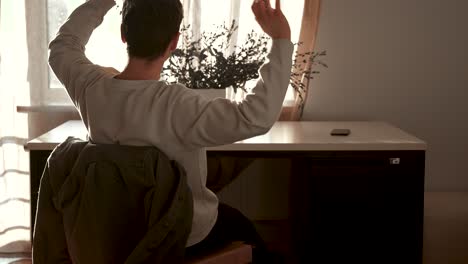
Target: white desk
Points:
(359, 197)
(284, 136)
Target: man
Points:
(134, 107)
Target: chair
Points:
(120, 181)
(234, 253)
(104, 203)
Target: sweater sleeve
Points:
(220, 121)
(67, 51)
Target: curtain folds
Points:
(191, 10)
(308, 33)
(14, 160)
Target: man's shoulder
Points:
(179, 90)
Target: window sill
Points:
(56, 108)
(46, 109)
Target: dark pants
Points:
(230, 226)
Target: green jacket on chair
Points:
(111, 204)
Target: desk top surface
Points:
(283, 136)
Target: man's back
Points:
(173, 118)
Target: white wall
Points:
(405, 62)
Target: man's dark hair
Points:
(149, 25)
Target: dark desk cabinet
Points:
(358, 207)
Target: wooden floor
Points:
(446, 228)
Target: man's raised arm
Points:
(219, 122)
(67, 51)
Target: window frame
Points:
(38, 73)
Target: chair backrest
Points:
(119, 204)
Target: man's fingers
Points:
(256, 8)
(278, 5)
(265, 3)
(259, 9)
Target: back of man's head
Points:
(148, 26)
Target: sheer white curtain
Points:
(14, 161)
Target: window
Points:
(105, 46)
(45, 18)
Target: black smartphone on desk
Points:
(340, 132)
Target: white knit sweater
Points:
(177, 120)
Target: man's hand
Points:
(272, 21)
